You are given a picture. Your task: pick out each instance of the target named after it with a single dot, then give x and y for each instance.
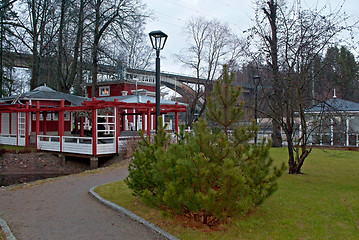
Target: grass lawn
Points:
(321, 204)
(11, 148)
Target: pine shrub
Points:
(209, 175)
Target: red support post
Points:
(61, 122)
(27, 125)
(44, 123)
(81, 126)
(123, 118)
(37, 126)
(143, 122)
(117, 133)
(119, 119)
(149, 122)
(154, 120)
(17, 128)
(176, 118)
(94, 132)
(176, 122)
(76, 124)
(10, 128)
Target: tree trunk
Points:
(95, 49)
(292, 165)
(94, 70)
(295, 165)
(77, 45)
(273, 42)
(191, 112)
(35, 59)
(35, 67)
(276, 135)
(61, 82)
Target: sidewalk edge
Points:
(131, 215)
(6, 229)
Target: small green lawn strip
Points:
(321, 204)
(16, 149)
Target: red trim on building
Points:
(37, 120)
(116, 88)
(94, 131)
(81, 126)
(27, 126)
(149, 122)
(10, 128)
(61, 123)
(17, 128)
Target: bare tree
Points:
(68, 50)
(109, 15)
(7, 16)
(69, 38)
(211, 44)
(35, 29)
(138, 53)
(291, 38)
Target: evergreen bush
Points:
(209, 175)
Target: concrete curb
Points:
(6, 229)
(131, 215)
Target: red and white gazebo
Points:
(69, 124)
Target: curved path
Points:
(63, 209)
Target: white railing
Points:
(82, 145)
(8, 139)
(21, 141)
(48, 143)
(106, 145)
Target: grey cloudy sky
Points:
(170, 16)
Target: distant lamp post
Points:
(2, 9)
(158, 40)
(256, 80)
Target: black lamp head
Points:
(158, 39)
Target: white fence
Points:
(81, 145)
(106, 145)
(8, 139)
(21, 141)
(49, 143)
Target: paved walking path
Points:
(63, 209)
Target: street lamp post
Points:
(256, 80)
(158, 40)
(2, 10)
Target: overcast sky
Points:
(170, 16)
